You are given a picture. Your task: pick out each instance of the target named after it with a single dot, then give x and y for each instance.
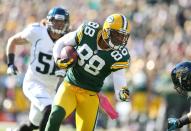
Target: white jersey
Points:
(40, 80)
(41, 64)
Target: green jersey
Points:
(94, 64)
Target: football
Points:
(69, 52)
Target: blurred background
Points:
(160, 38)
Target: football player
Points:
(181, 78)
(102, 51)
(40, 79)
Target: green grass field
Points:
(5, 125)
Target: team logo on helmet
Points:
(110, 19)
(181, 71)
(181, 76)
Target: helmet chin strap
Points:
(112, 46)
(110, 43)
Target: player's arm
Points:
(121, 91)
(17, 39)
(174, 123)
(30, 33)
(72, 38)
(120, 85)
(68, 39)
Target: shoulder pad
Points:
(82, 27)
(35, 28)
(34, 25)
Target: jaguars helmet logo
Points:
(180, 72)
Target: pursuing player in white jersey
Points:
(40, 78)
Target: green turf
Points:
(5, 125)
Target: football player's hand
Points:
(172, 124)
(60, 73)
(12, 70)
(124, 94)
(64, 63)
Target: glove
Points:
(172, 124)
(124, 94)
(60, 73)
(12, 70)
(64, 64)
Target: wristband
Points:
(10, 59)
(183, 121)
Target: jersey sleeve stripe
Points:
(120, 65)
(79, 36)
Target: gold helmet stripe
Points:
(124, 22)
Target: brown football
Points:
(69, 52)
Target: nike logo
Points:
(91, 95)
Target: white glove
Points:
(12, 70)
(60, 73)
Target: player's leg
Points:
(41, 102)
(39, 117)
(44, 120)
(27, 127)
(32, 124)
(86, 111)
(36, 117)
(64, 104)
